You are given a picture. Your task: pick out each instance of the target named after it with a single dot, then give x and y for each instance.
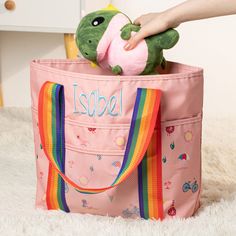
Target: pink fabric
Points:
(95, 144)
(111, 49)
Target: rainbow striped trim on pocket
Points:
(51, 120)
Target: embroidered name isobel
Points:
(95, 104)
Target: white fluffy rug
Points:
(217, 215)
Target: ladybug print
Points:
(172, 210)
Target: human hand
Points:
(152, 23)
(144, 19)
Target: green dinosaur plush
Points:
(101, 37)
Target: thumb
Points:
(134, 40)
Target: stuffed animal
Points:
(102, 35)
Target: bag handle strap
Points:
(51, 115)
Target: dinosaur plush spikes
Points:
(110, 7)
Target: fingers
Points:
(133, 42)
(151, 24)
(144, 19)
(138, 21)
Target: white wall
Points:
(207, 43)
(17, 50)
(210, 44)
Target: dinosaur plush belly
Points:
(111, 53)
(112, 31)
(130, 62)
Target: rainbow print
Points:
(51, 122)
(150, 180)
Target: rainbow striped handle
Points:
(144, 119)
(51, 126)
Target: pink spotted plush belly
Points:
(132, 62)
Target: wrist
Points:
(171, 19)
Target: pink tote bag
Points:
(125, 146)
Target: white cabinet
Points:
(41, 16)
(59, 16)
(18, 48)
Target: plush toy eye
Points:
(97, 21)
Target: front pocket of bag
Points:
(98, 171)
(92, 170)
(94, 155)
(93, 138)
(181, 161)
